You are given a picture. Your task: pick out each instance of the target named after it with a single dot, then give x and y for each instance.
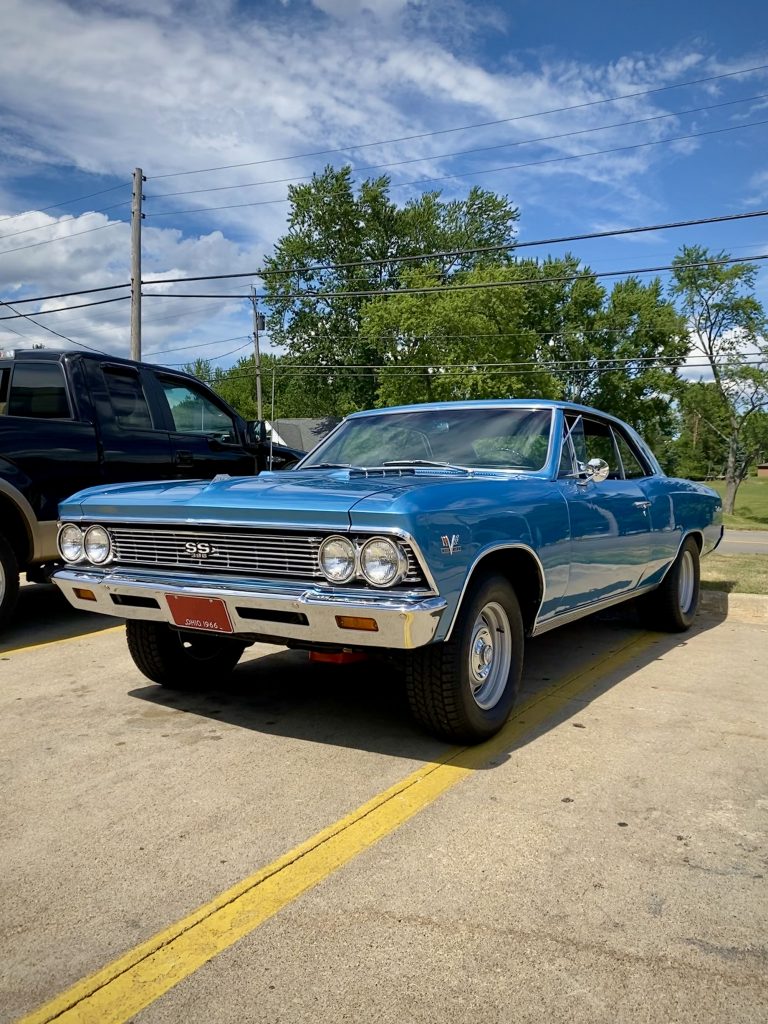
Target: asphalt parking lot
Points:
(287, 846)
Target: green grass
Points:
(738, 574)
(751, 511)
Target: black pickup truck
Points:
(74, 419)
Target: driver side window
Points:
(194, 413)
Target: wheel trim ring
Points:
(490, 655)
(686, 584)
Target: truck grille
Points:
(244, 553)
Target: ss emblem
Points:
(199, 549)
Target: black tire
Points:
(445, 690)
(672, 606)
(181, 660)
(9, 581)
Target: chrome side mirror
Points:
(597, 470)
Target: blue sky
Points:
(90, 90)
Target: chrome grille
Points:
(246, 552)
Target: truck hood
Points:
(305, 498)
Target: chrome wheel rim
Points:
(686, 583)
(490, 655)
(2, 582)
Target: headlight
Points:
(337, 559)
(383, 562)
(71, 543)
(98, 546)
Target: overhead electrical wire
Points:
(67, 202)
(70, 219)
(489, 170)
(471, 152)
(43, 327)
(466, 127)
(64, 238)
(64, 309)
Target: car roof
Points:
(490, 403)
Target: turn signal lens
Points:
(71, 543)
(353, 622)
(84, 595)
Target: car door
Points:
(135, 442)
(48, 452)
(205, 436)
(609, 521)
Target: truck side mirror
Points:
(256, 432)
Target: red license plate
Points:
(209, 613)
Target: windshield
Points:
(472, 438)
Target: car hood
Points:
(311, 498)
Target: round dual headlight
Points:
(383, 562)
(337, 559)
(98, 546)
(71, 543)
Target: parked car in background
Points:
(446, 533)
(72, 419)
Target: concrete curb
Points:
(744, 607)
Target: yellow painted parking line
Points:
(4, 652)
(125, 987)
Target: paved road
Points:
(603, 861)
(744, 542)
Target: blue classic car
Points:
(446, 533)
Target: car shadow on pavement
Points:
(364, 706)
(44, 615)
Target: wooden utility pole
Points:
(259, 323)
(136, 218)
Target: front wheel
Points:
(464, 689)
(181, 660)
(672, 606)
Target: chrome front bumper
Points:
(256, 608)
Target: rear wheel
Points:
(672, 606)
(181, 660)
(9, 581)
(463, 690)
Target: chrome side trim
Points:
(490, 550)
(587, 609)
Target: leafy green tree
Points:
(727, 325)
(701, 448)
(333, 223)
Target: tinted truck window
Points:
(38, 390)
(128, 400)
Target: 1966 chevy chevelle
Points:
(444, 532)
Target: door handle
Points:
(642, 504)
(184, 459)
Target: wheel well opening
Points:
(14, 531)
(522, 570)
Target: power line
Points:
(63, 309)
(66, 295)
(475, 286)
(470, 152)
(466, 127)
(63, 238)
(66, 202)
(491, 170)
(43, 326)
(56, 223)
(199, 344)
(478, 250)
(223, 355)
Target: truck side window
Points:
(127, 397)
(194, 413)
(39, 390)
(5, 376)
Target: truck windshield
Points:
(469, 437)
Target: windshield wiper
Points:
(329, 465)
(426, 462)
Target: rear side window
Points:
(5, 376)
(129, 403)
(633, 467)
(38, 390)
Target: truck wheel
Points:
(463, 690)
(9, 581)
(181, 660)
(672, 606)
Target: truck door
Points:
(205, 435)
(135, 442)
(47, 454)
